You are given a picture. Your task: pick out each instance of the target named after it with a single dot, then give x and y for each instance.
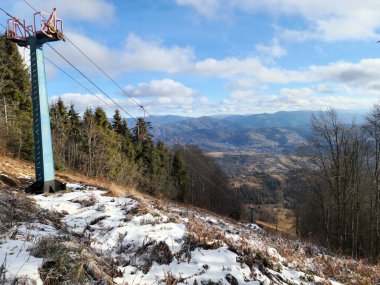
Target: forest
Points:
(108, 149)
(337, 199)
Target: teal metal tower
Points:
(45, 29)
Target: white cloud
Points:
(137, 54)
(326, 88)
(165, 100)
(242, 94)
(328, 20)
(82, 101)
(246, 76)
(260, 103)
(362, 72)
(204, 101)
(163, 94)
(207, 8)
(143, 55)
(246, 70)
(296, 92)
(161, 88)
(152, 55)
(331, 78)
(272, 50)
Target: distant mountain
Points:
(278, 132)
(294, 119)
(297, 119)
(158, 120)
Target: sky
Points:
(207, 57)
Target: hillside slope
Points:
(86, 236)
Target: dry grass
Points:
(266, 216)
(150, 252)
(15, 168)
(344, 270)
(14, 208)
(70, 262)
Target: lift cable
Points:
(5, 31)
(197, 172)
(190, 151)
(79, 83)
(92, 82)
(98, 67)
(9, 15)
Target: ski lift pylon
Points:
(44, 30)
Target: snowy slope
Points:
(155, 242)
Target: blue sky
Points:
(194, 57)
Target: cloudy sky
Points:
(203, 57)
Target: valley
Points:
(255, 151)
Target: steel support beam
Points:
(43, 147)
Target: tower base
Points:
(41, 187)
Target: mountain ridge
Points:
(278, 132)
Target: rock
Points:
(231, 279)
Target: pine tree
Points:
(15, 103)
(59, 122)
(117, 122)
(74, 118)
(120, 126)
(180, 176)
(58, 115)
(74, 138)
(101, 118)
(141, 131)
(15, 84)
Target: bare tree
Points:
(338, 154)
(372, 129)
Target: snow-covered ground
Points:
(153, 242)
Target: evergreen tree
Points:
(143, 140)
(101, 118)
(15, 103)
(15, 85)
(141, 131)
(88, 116)
(180, 176)
(59, 121)
(58, 115)
(117, 122)
(74, 138)
(74, 118)
(120, 126)
(162, 172)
